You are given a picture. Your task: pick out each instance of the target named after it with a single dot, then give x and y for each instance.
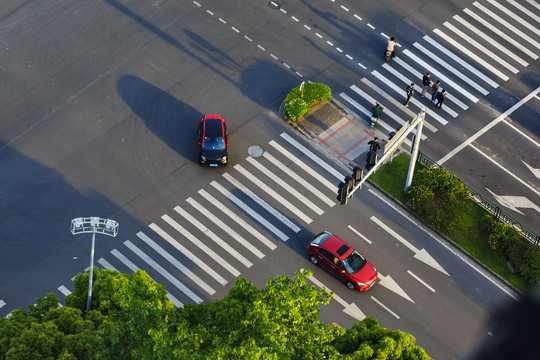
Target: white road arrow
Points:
(349, 309)
(421, 255)
(392, 285)
(514, 202)
(536, 172)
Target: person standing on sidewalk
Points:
(440, 99)
(374, 145)
(426, 81)
(435, 90)
(410, 92)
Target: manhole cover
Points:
(255, 151)
(274, 5)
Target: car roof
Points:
(337, 246)
(213, 127)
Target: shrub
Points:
(437, 196)
(297, 105)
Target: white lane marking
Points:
(201, 264)
(2, 303)
(407, 81)
(285, 186)
(460, 61)
(260, 47)
(483, 50)
(510, 27)
(430, 113)
(393, 286)
(386, 110)
(307, 27)
(421, 255)
(212, 200)
(274, 57)
(452, 69)
(196, 3)
(174, 300)
(107, 265)
(344, 8)
(524, 183)
(210, 234)
(298, 74)
(209, 12)
(358, 233)
(249, 211)
(371, 26)
(420, 281)
(459, 256)
(515, 202)
(419, 75)
(295, 19)
(488, 126)
(520, 20)
(521, 132)
(124, 260)
(491, 41)
(278, 215)
(338, 49)
(367, 113)
(298, 179)
(471, 54)
(312, 156)
(235, 29)
(500, 33)
(283, 10)
(536, 172)
(533, 3)
(358, 17)
(179, 285)
(177, 264)
(385, 307)
(64, 290)
(349, 56)
(319, 35)
(222, 20)
(248, 38)
(441, 76)
(350, 309)
(233, 234)
(287, 66)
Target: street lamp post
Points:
(93, 225)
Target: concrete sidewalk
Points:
(340, 132)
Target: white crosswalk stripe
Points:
(304, 200)
(507, 12)
(460, 61)
(533, 3)
(525, 10)
(107, 265)
(273, 194)
(278, 215)
(201, 264)
(509, 26)
(249, 211)
(452, 69)
(299, 179)
(64, 290)
(125, 260)
(167, 275)
(304, 167)
(198, 243)
(237, 219)
(177, 264)
(233, 234)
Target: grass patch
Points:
(468, 230)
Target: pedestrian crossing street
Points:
(214, 236)
(472, 54)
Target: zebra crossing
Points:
(210, 239)
(471, 54)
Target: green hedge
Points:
(297, 105)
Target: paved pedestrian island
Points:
(342, 133)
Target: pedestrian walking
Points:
(410, 92)
(435, 90)
(440, 99)
(390, 46)
(426, 81)
(374, 145)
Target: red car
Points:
(212, 140)
(342, 261)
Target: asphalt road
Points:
(100, 107)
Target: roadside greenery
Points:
(131, 318)
(298, 103)
(442, 200)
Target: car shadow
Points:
(171, 120)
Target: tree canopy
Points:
(131, 318)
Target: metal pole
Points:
(414, 154)
(91, 273)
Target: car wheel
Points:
(350, 285)
(314, 260)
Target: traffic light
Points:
(344, 190)
(357, 175)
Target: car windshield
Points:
(354, 262)
(214, 143)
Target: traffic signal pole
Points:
(346, 191)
